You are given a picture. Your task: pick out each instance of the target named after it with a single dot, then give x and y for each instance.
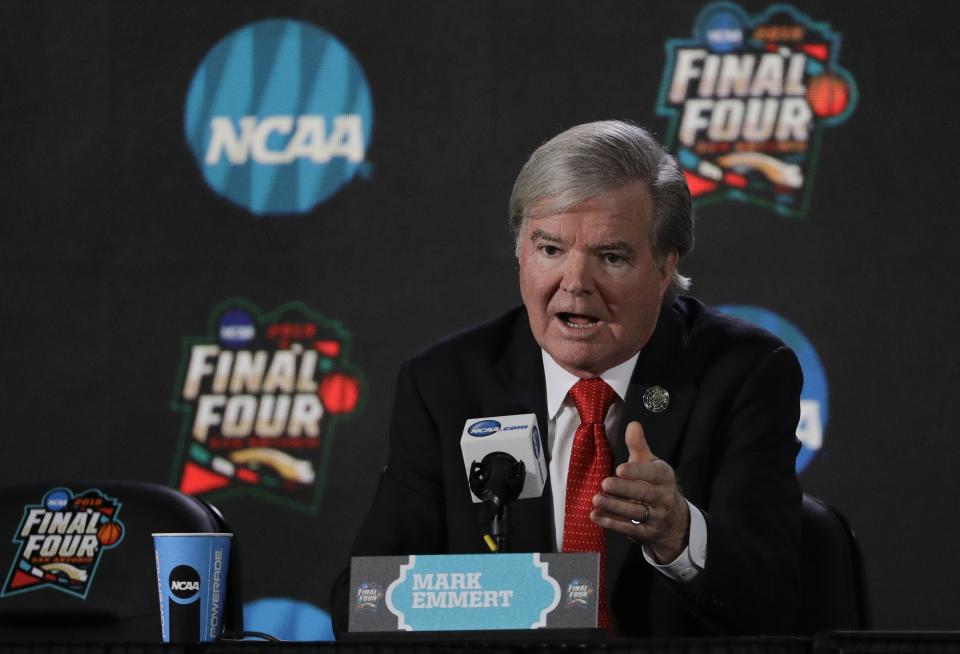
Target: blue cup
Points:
(192, 580)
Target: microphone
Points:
(496, 480)
(503, 460)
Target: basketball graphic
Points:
(828, 95)
(339, 393)
(109, 533)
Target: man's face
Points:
(589, 280)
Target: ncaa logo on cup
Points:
(813, 397)
(184, 583)
(483, 428)
(279, 117)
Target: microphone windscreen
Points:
(516, 435)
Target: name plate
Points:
(469, 592)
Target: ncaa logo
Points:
(484, 428)
(723, 29)
(184, 583)
(279, 116)
(236, 328)
(813, 396)
(56, 500)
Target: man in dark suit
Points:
(640, 392)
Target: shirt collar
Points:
(559, 381)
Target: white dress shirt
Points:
(563, 420)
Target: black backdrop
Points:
(114, 249)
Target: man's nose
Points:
(577, 277)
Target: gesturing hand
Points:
(643, 501)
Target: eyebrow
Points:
(615, 246)
(540, 235)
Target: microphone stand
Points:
(497, 480)
(500, 528)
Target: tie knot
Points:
(592, 398)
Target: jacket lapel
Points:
(658, 365)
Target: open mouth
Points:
(577, 320)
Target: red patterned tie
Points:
(590, 462)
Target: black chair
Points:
(115, 600)
(833, 595)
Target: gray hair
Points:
(594, 158)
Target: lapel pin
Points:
(656, 399)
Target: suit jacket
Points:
(728, 432)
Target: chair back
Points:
(833, 595)
(77, 559)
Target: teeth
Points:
(588, 322)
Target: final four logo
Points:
(748, 98)
(579, 592)
(261, 395)
(368, 596)
(61, 541)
